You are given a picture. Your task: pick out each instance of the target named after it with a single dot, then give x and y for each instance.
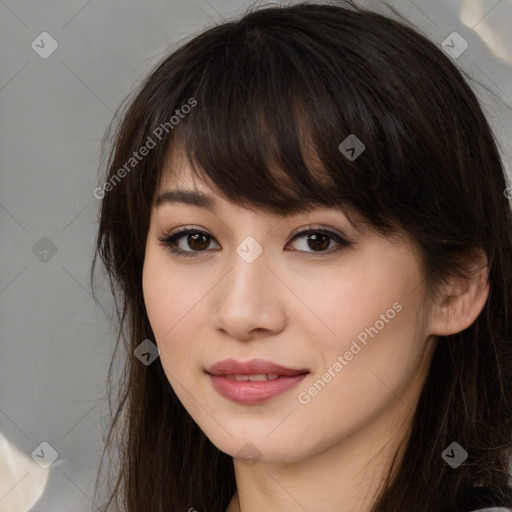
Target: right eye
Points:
(197, 240)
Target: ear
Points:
(463, 299)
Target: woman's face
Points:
(352, 317)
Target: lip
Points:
(248, 392)
(253, 392)
(252, 367)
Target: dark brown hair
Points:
(276, 93)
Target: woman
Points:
(304, 223)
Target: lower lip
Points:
(249, 392)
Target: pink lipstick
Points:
(254, 381)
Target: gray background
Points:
(56, 342)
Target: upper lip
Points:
(251, 367)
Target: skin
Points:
(302, 308)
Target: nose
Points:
(250, 300)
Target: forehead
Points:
(178, 173)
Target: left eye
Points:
(317, 239)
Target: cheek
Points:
(342, 304)
(173, 307)
(368, 331)
(163, 300)
(167, 293)
(360, 380)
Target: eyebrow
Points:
(191, 197)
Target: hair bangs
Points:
(265, 134)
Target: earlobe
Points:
(463, 301)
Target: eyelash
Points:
(170, 241)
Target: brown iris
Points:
(200, 239)
(319, 241)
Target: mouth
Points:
(251, 392)
(258, 377)
(254, 370)
(253, 382)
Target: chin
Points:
(255, 449)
